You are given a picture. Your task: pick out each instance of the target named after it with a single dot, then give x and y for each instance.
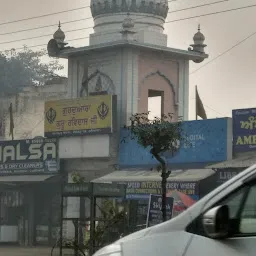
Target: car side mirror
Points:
(216, 222)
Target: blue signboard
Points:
(244, 129)
(205, 141)
(154, 210)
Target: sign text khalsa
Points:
(36, 151)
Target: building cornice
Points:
(176, 53)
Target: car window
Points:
(248, 214)
(242, 212)
(234, 202)
(243, 209)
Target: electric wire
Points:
(67, 22)
(167, 22)
(79, 29)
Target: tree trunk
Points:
(164, 181)
(164, 176)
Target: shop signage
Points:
(76, 117)
(225, 175)
(205, 141)
(94, 189)
(109, 190)
(154, 216)
(35, 156)
(73, 189)
(244, 129)
(142, 189)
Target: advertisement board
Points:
(244, 130)
(142, 189)
(154, 216)
(35, 156)
(205, 141)
(77, 117)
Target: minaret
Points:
(198, 45)
(59, 36)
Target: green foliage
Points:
(25, 68)
(77, 178)
(160, 134)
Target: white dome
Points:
(154, 7)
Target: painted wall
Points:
(158, 72)
(28, 109)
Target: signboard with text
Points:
(94, 189)
(154, 210)
(35, 156)
(204, 141)
(142, 189)
(77, 117)
(244, 130)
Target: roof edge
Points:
(72, 52)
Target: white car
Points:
(221, 223)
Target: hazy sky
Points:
(224, 84)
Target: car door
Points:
(242, 206)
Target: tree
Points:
(25, 68)
(160, 135)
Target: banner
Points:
(205, 141)
(244, 130)
(36, 156)
(142, 190)
(154, 216)
(76, 117)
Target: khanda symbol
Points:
(103, 110)
(51, 115)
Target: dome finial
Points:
(128, 22)
(59, 24)
(198, 45)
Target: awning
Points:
(25, 178)
(127, 175)
(242, 161)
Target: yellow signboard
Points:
(81, 116)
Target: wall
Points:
(162, 73)
(28, 109)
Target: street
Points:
(28, 251)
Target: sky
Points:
(224, 81)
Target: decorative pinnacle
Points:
(59, 24)
(199, 27)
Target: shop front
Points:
(29, 191)
(185, 186)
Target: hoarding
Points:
(142, 189)
(35, 156)
(205, 141)
(81, 116)
(244, 130)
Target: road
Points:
(28, 251)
